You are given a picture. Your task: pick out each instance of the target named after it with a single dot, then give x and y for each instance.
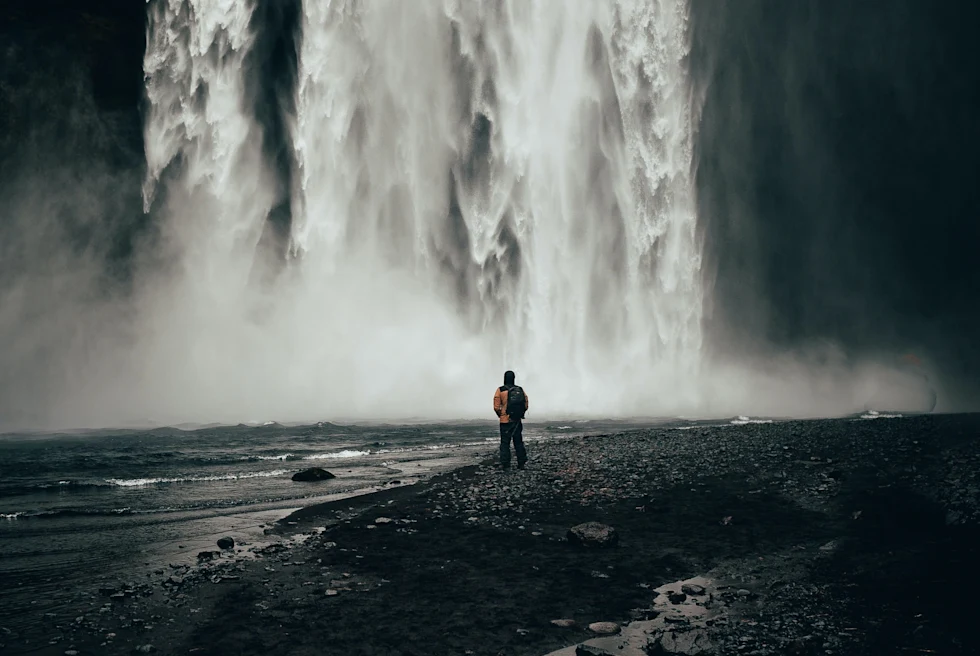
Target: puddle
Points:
(681, 615)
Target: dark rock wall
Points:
(837, 174)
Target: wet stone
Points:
(593, 534)
(590, 650)
(683, 643)
(312, 474)
(644, 614)
(604, 628)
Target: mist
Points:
(69, 206)
(636, 206)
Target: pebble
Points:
(573, 472)
(604, 628)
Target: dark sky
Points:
(837, 176)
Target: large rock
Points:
(313, 474)
(226, 543)
(634, 645)
(695, 642)
(693, 589)
(593, 534)
(590, 650)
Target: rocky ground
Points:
(810, 537)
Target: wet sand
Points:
(812, 537)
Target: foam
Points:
(140, 482)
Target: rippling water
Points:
(74, 506)
(78, 506)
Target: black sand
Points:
(846, 537)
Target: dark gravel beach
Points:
(845, 536)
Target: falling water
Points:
(413, 196)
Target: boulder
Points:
(313, 474)
(593, 534)
(586, 649)
(683, 643)
(226, 543)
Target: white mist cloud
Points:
(61, 208)
(368, 322)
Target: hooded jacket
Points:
(500, 404)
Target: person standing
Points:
(511, 404)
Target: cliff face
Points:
(58, 53)
(836, 167)
(106, 38)
(71, 151)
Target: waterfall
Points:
(459, 187)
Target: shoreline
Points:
(822, 536)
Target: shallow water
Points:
(74, 507)
(79, 507)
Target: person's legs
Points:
(518, 436)
(505, 433)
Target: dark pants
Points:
(512, 431)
